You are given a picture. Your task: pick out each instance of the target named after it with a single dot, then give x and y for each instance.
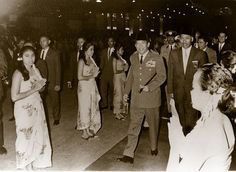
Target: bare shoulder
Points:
(17, 74)
(226, 119)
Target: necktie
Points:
(141, 59)
(42, 57)
(220, 47)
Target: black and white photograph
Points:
(118, 85)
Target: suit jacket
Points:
(179, 83)
(226, 46)
(73, 68)
(42, 67)
(139, 74)
(53, 62)
(211, 54)
(3, 71)
(106, 66)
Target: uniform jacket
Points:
(139, 74)
(211, 54)
(179, 83)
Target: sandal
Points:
(119, 116)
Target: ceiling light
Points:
(133, 1)
(99, 1)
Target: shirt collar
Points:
(46, 49)
(187, 49)
(144, 55)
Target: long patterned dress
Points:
(119, 85)
(32, 142)
(89, 97)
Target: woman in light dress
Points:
(120, 66)
(209, 145)
(33, 149)
(89, 119)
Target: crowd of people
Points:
(196, 74)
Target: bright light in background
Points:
(6, 6)
(10, 7)
(99, 1)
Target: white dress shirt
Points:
(45, 53)
(109, 52)
(221, 46)
(185, 53)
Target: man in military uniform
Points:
(146, 75)
(165, 49)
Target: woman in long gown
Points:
(120, 66)
(33, 149)
(209, 145)
(89, 119)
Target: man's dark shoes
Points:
(56, 122)
(126, 159)
(3, 150)
(154, 152)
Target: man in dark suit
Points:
(147, 72)
(106, 78)
(222, 45)
(52, 60)
(3, 71)
(203, 45)
(183, 63)
(73, 65)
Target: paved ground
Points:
(70, 152)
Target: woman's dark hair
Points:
(214, 77)
(117, 47)
(86, 46)
(20, 65)
(228, 58)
